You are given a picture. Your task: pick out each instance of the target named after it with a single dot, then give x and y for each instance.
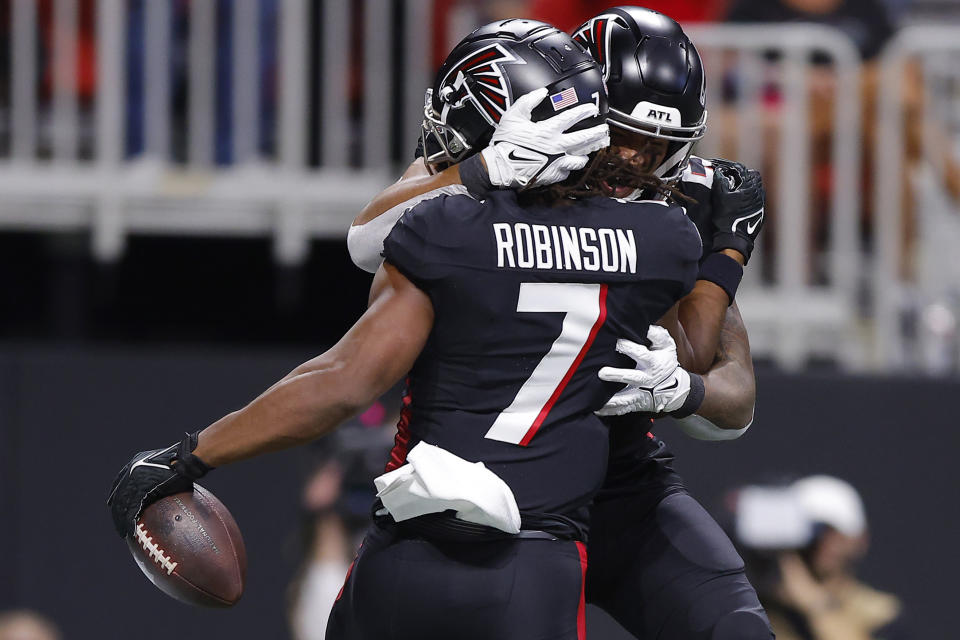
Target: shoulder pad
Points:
(669, 243)
(426, 235)
(698, 171)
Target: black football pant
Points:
(406, 588)
(670, 572)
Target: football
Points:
(190, 547)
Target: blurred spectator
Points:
(453, 19)
(802, 544)
(864, 21)
(867, 24)
(336, 512)
(327, 554)
(26, 625)
(81, 63)
(570, 15)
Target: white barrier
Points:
(896, 297)
(284, 197)
(792, 318)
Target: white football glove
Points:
(524, 153)
(657, 385)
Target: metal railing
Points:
(114, 192)
(791, 317)
(67, 165)
(901, 298)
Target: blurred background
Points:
(176, 181)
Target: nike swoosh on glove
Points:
(151, 475)
(737, 197)
(658, 384)
(523, 153)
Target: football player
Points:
(654, 583)
(503, 310)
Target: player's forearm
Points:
(671, 322)
(724, 403)
(415, 181)
(701, 314)
(319, 394)
(730, 386)
(721, 416)
(309, 402)
(294, 411)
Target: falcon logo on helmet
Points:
(594, 36)
(491, 67)
(480, 77)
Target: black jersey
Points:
(631, 443)
(529, 303)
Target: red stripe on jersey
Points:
(573, 369)
(347, 579)
(582, 607)
(401, 441)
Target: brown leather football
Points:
(190, 547)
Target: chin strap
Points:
(676, 160)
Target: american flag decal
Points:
(564, 99)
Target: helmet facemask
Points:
(681, 140)
(442, 144)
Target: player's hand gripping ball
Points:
(152, 475)
(737, 198)
(182, 538)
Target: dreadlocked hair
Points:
(605, 171)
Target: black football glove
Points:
(737, 200)
(151, 475)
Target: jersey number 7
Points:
(585, 309)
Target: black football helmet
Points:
(492, 67)
(654, 77)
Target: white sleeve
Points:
(365, 241)
(700, 428)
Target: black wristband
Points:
(725, 240)
(188, 465)
(694, 399)
(723, 271)
(474, 176)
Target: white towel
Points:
(434, 480)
